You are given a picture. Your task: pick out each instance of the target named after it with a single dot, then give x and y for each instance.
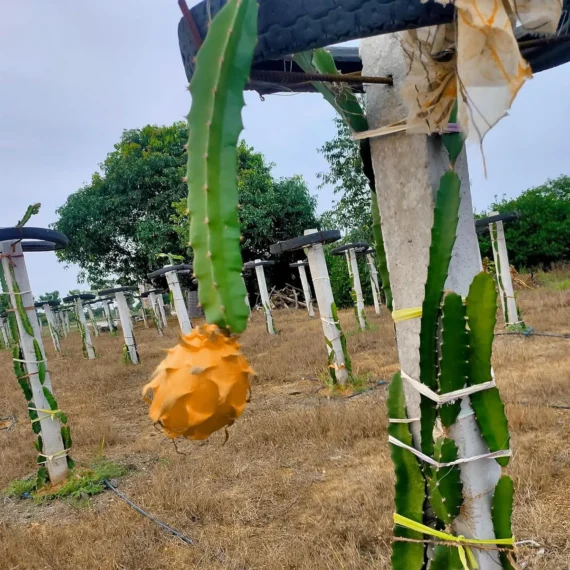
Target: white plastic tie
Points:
(437, 464)
(441, 399)
(404, 420)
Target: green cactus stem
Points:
(446, 558)
(481, 310)
(20, 306)
(446, 489)
(223, 64)
(446, 215)
(410, 484)
(454, 354)
(347, 361)
(40, 361)
(502, 510)
(30, 211)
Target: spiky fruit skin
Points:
(201, 386)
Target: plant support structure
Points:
(130, 353)
(258, 265)
(49, 423)
(301, 265)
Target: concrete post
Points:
(154, 306)
(84, 329)
(325, 300)
(264, 294)
(93, 320)
(64, 315)
(53, 448)
(160, 302)
(52, 325)
(179, 304)
(374, 282)
(127, 326)
(306, 291)
(144, 303)
(357, 286)
(407, 170)
(108, 315)
(4, 333)
(503, 270)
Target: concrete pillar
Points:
(93, 320)
(357, 287)
(264, 294)
(52, 325)
(127, 326)
(407, 170)
(374, 282)
(160, 302)
(84, 329)
(108, 315)
(4, 333)
(323, 292)
(179, 304)
(503, 270)
(54, 451)
(306, 291)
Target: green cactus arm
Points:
(446, 558)
(453, 142)
(223, 64)
(341, 98)
(501, 511)
(446, 215)
(30, 211)
(481, 310)
(52, 403)
(446, 489)
(409, 488)
(454, 354)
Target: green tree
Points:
(121, 220)
(51, 296)
(542, 234)
(351, 212)
(270, 210)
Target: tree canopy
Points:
(542, 234)
(351, 212)
(50, 296)
(135, 207)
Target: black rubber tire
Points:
(52, 303)
(117, 290)
(155, 291)
(327, 236)
(292, 26)
(168, 269)
(360, 246)
(47, 240)
(82, 296)
(252, 264)
(507, 217)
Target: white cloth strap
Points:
(441, 399)
(427, 459)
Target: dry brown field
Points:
(305, 480)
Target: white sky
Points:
(74, 74)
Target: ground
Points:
(305, 480)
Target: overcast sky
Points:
(74, 74)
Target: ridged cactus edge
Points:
(223, 65)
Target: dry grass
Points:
(304, 482)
